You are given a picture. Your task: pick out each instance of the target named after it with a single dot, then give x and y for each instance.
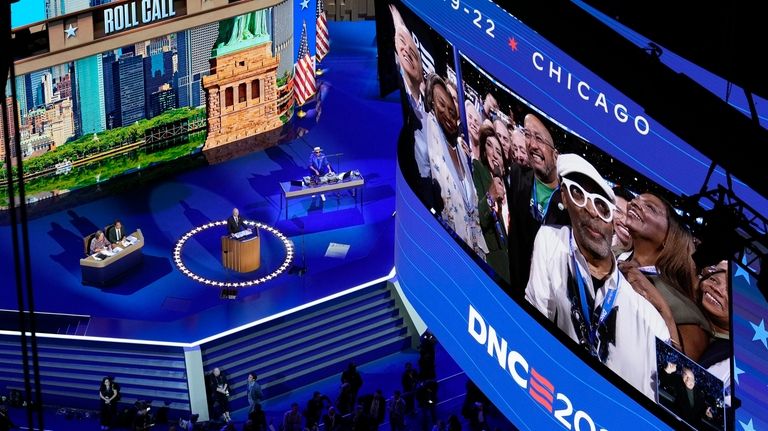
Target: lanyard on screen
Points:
(608, 301)
(496, 222)
(539, 215)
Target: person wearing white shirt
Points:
(575, 282)
(450, 167)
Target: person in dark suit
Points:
(116, 232)
(235, 223)
(689, 403)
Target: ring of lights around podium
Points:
(178, 261)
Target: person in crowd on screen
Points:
(493, 211)
(450, 168)
(714, 300)
(502, 134)
(220, 394)
(412, 142)
(409, 381)
(116, 233)
(451, 85)
(292, 419)
(235, 223)
(575, 281)
(533, 200)
(669, 375)
(519, 148)
(318, 163)
(408, 59)
(333, 421)
(662, 270)
(690, 402)
(622, 240)
(473, 127)
(490, 107)
(253, 392)
(108, 402)
(100, 243)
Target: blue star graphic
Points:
(737, 371)
(747, 426)
(740, 271)
(760, 332)
(304, 4)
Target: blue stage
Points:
(158, 302)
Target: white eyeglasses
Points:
(603, 207)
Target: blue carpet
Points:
(160, 303)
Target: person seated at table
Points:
(235, 223)
(116, 233)
(99, 243)
(318, 163)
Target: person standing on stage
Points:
(254, 392)
(235, 223)
(220, 394)
(108, 402)
(318, 163)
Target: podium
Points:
(241, 254)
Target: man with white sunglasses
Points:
(575, 283)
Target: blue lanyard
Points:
(497, 223)
(608, 301)
(539, 215)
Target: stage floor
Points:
(160, 303)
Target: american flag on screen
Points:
(321, 38)
(304, 71)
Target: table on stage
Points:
(101, 269)
(241, 251)
(346, 181)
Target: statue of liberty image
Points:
(242, 31)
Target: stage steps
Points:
(310, 345)
(71, 370)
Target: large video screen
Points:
(146, 104)
(603, 258)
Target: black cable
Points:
(27, 321)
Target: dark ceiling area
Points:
(676, 101)
(722, 38)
